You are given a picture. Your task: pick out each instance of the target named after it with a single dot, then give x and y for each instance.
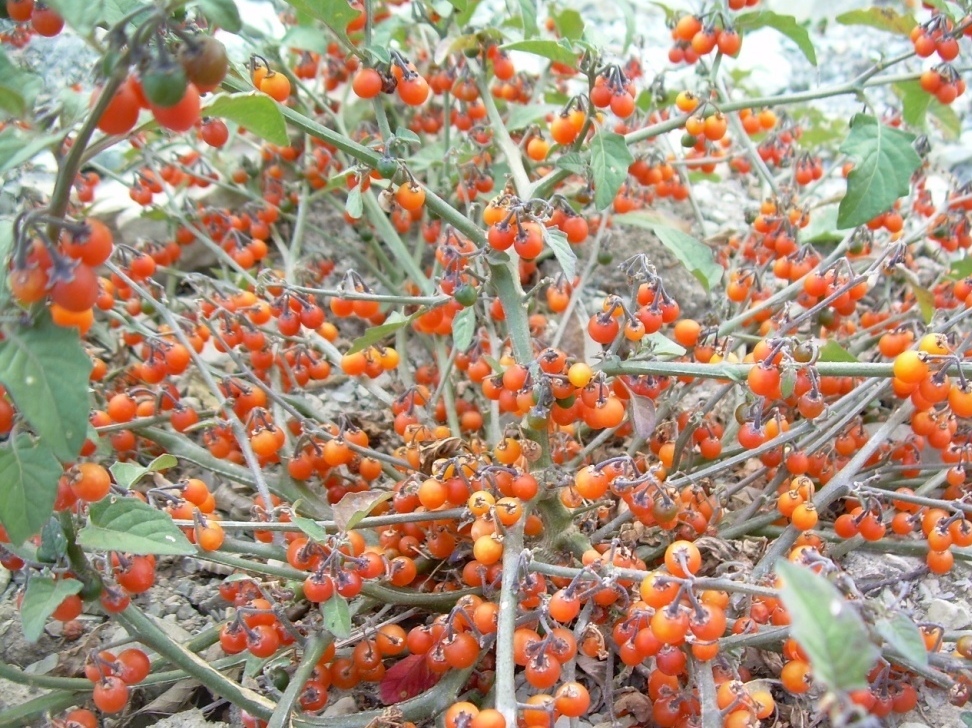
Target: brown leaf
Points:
(355, 506)
(642, 410)
(173, 699)
(634, 704)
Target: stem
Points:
(282, 714)
(139, 625)
(711, 715)
(838, 486)
(510, 151)
(15, 674)
(429, 703)
(444, 362)
(391, 238)
(53, 702)
(505, 687)
(71, 164)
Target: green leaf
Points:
(335, 14)
(961, 268)
(832, 351)
(18, 88)
(671, 15)
(926, 302)
(829, 630)
(464, 14)
(45, 370)
(127, 474)
(42, 597)
(554, 50)
(788, 379)
(354, 205)
(223, 13)
(87, 15)
(785, 24)
(17, 148)
(502, 272)
(661, 345)
(610, 159)
(257, 112)
(884, 161)
(407, 135)
(569, 24)
(128, 524)
(572, 162)
(305, 38)
(822, 227)
(528, 14)
(463, 328)
(385, 32)
(950, 10)
(887, 19)
(522, 115)
(901, 633)
(915, 102)
(693, 254)
(427, 156)
(562, 250)
(378, 333)
(353, 507)
(310, 529)
(948, 120)
(337, 616)
(6, 242)
(29, 472)
(53, 543)
(629, 24)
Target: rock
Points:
(200, 594)
(951, 615)
(188, 719)
(913, 724)
(342, 706)
(171, 604)
(185, 613)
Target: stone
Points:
(951, 615)
(341, 706)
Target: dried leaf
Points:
(634, 704)
(354, 506)
(642, 411)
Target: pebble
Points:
(185, 613)
(200, 593)
(912, 724)
(951, 615)
(172, 603)
(342, 706)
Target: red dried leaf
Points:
(405, 679)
